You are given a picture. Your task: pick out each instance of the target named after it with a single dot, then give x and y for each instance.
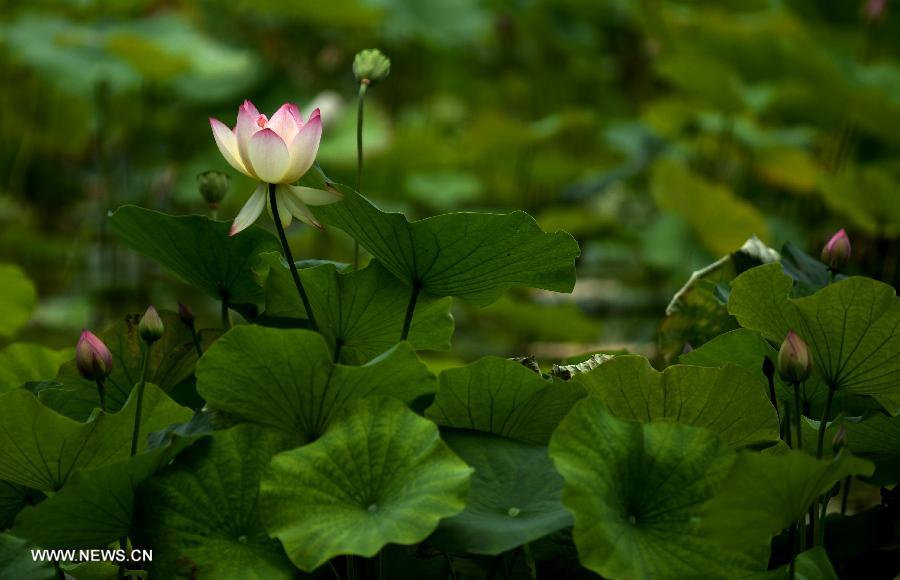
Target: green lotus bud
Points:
(836, 252)
(371, 66)
(151, 326)
(213, 186)
(794, 364)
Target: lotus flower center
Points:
(261, 121)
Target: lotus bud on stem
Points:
(94, 362)
(213, 187)
(836, 252)
(150, 329)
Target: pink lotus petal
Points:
(269, 156)
(286, 122)
(304, 148)
(247, 126)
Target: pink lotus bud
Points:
(794, 364)
(836, 252)
(151, 326)
(92, 358)
(840, 439)
(185, 314)
(875, 9)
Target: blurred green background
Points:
(660, 133)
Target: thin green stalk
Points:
(820, 441)
(101, 390)
(793, 538)
(123, 544)
(273, 202)
(845, 495)
(196, 336)
(360, 108)
(136, 434)
(798, 417)
(226, 314)
(410, 310)
(786, 425)
(820, 540)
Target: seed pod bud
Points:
(836, 252)
(840, 440)
(371, 66)
(151, 326)
(185, 314)
(92, 358)
(213, 186)
(794, 364)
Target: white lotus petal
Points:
(312, 196)
(287, 199)
(304, 148)
(269, 156)
(251, 210)
(226, 140)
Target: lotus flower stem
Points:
(410, 310)
(101, 390)
(820, 440)
(273, 202)
(845, 494)
(226, 314)
(798, 416)
(360, 108)
(136, 434)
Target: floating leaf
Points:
(361, 310)
(172, 361)
(17, 299)
(729, 401)
(14, 497)
(472, 256)
(200, 515)
(765, 493)
(21, 363)
(503, 397)
(198, 250)
(284, 379)
(515, 497)
(380, 475)
(852, 327)
(40, 448)
(634, 489)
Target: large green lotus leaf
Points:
(201, 517)
(285, 379)
(634, 490)
(13, 498)
(379, 475)
(17, 299)
(472, 256)
(94, 508)
(748, 349)
(362, 311)
(810, 565)
(40, 448)
(503, 397)
(172, 361)
(516, 496)
(852, 327)
(765, 492)
(720, 219)
(16, 561)
(24, 362)
(198, 250)
(729, 401)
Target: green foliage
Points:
(327, 499)
(201, 514)
(635, 497)
(472, 256)
(852, 327)
(198, 250)
(362, 311)
(286, 380)
(515, 497)
(21, 363)
(729, 401)
(17, 299)
(503, 397)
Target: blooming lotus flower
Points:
(274, 151)
(93, 359)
